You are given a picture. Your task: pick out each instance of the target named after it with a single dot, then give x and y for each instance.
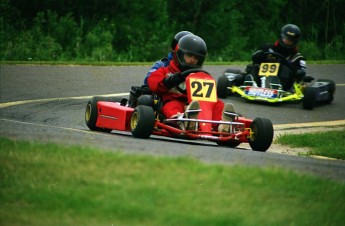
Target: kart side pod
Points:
(113, 116)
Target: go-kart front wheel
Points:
(142, 121)
(309, 99)
(262, 134)
(91, 114)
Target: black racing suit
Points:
(295, 70)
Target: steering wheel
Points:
(186, 73)
(280, 59)
(193, 70)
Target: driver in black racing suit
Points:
(286, 45)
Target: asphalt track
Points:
(47, 103)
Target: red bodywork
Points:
(113, 116)
(116, 117)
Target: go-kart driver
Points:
(287, 46)
(164, 62)
(190, 53)
(137, 91)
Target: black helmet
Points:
(194, 45)
(292, 33)
(177, 38)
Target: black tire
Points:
(91, 114)
(142, 121)
(232, 70)
(309, 99)
(331, 89)
(230, 143)
(238, 80)
(262, 134)
(222, 87)
(146, 100)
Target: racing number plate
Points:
(269, 69)
(203, 89)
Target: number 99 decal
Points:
(269, 69)
(201, 89)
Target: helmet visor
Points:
(189, 60)
(192, 59)
(289, 40)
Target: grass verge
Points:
(329, 144)
(47, 184)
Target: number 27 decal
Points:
(202, 89)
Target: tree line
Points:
(141, 30)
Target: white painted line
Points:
(8, 104)
(51, 126)
(323, 157)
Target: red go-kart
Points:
(146, 119)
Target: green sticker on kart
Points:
(269, 69)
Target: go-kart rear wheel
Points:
(142, 121)
(233, 70)
(222, 87)
(330, 89)
(309, 99)
(262, 134)
(146, 100)
(91, 114)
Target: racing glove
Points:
(300, 73)
(173, 80)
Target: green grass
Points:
(46, 184)
(329, 144)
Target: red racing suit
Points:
(174, 101)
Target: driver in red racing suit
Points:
(137, 91)
(189, 53)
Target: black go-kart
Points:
(269, 88)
